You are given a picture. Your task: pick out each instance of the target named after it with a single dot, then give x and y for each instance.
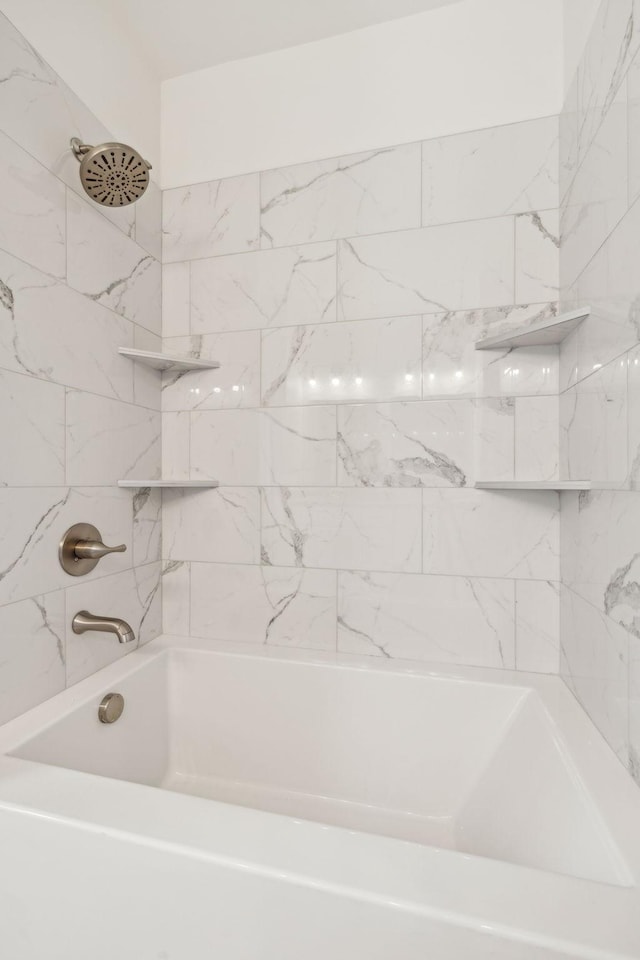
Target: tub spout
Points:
(84, 621)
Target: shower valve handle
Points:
(95, 550)
(81, 549)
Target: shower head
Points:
(112, 174)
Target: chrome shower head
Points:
(112, 174)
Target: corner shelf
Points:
(167, 361)
(558, 485)
(191, 484)
(542, 334)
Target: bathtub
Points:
(287, 804)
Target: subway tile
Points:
(337, 363)
(453, 367)
(421, 444)
(220, 525)
(32, 431)
(537, 260)
(34, 519)
(537, 617)
(342, 197)
(32, 210)
(459, 266)
(110, 268)
(251, 447)
(109, 441)
(235, 384)
(207, 219)
(438, 619)
(341, 528)
(82, 352)
(280, 606)
(482, 533)
(465, 176)
(32, 653)
(268, 288)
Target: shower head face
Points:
(113, 174)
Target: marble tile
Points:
(420, 444)
(537, 256)
(460, 266)
(176, 445)
(494, 432)
(610, 285)
(465, 177)
(225, 446)
(221, 525)
(597, 198)
(235, 384)
(451, 364)
(32, 522)
(336, 363)
(32, 210)
(32, 653)
(333, 528)
(110, 268)
(207, 219)
(594, 662)
(415, 617)
(593, 424)
(176, 589)
(523, 371)
(83, 353)
(632, 442)
(148, 212)
(537, 626)
(109, 441)
(147, 382)
(293, 446)
(147, 516)
(611, 47)
(484, 533)
(278, 606)
(268, 288)
(568, 138)
(41, 113)
(537, 438)
(176, 298)
(600, 558)
(134, 595)
(32, 431)
(342, 197)
(298, 446)
(633, 129)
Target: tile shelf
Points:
(187, 484)
(533, 485)
(542, 334)
(167, 361)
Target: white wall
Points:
(89, 45)
(473, 64)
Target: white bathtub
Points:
(523, 829)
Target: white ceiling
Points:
(180, 36)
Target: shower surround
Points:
(600, 379)
(76, 283)
(351, 414)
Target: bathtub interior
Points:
(471, 766)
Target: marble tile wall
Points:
(76, 282)
(351, 414)
(599, 379)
